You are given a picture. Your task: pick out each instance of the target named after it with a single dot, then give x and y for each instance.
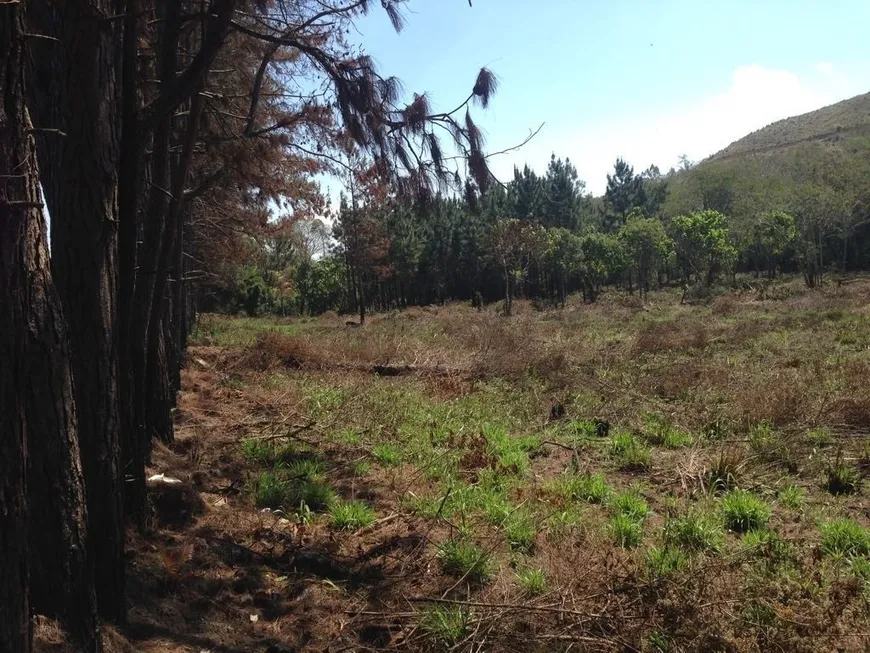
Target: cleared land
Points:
(624, 476)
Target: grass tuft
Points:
(533, 581)
(591, 488)
(387, 455)
(630, 454)
(270, 491)
(626, 531)
(845, 538)
(695, 532)
(843, 479)
(792, 496)
(743, 511)
(631, 504)
(446, 625)
(661, 562)
(462, 558)
(351, 515)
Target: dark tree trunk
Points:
(37, 410)
(134, 443)
(75, 91)
(16, 230)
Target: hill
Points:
(829, 124)
(815, 166)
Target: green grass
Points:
(631, 504)
(532, 581)
(724, 471)
(351, 515)
(306, 469)
(268, 453)
(257, 450)
(625, 531)
(446, 625)
(820, 437)
(661, 562)
(521, 529)
(387, 455)
(844, 538)
(511, 452)
(768, 444)
(360, 468)
(563, 523)
(657, 431)
(462, 558)
(695, 532)
(317, 495)
(270, 491)
(273, 491)
(630, 454)
(591, 488)
(843, 479)
(792, 496)
(743, 511)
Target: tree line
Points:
(157, 135)
(544, 237)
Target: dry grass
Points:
(439, 420)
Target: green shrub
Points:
(743, 511)
(351, 515)
(845, 538)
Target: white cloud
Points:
(824, 67)
(755, 97)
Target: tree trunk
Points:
(16, 228)
(134, 442)
(37, 411)
(75, 91)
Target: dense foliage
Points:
(543, 237)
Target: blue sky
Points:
(643, 79)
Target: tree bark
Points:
(134, 443)
(75, 91)
(15, 221)
(37, 410)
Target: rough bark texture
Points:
(36, 396)
(74, 89)
(15, 634)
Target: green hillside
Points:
(831, 124)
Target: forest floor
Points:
(626, 476)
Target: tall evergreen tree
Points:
(624, 192)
